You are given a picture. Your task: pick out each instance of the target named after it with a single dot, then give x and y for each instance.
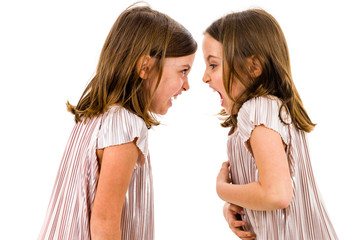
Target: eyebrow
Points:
(187, 65)
(211, 56)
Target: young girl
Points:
(273, 188)
(103, 189)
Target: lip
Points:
(220, 94)
(215, 90)
(174, 97)
(221, 98)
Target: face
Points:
(174, 80)
(213, 75)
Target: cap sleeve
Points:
(263, 111)
(121, 126)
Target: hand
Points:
(223, 179)
(224, 175)
(231, 213)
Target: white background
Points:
(49, 51)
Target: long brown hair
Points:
(138, 31)
(255, 33)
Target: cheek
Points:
(167, 89)
(173, 85)
(217, 78)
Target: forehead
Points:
(179, 61)
(211, 47)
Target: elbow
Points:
(280, 200)
(96, 231)
(283, 202)
(104, 229)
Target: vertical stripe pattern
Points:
(69, 210)
(306, 217)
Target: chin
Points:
(228, 111)
(163, 112)
(160, 112)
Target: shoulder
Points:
(117, 117)
(264, 106)
(119, 126)
(263, 110)
(122, 113)
(262, 102)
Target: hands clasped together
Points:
(232, 213)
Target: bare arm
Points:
(273, 190)
(117, 165)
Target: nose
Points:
(206, 78)
(185, 85)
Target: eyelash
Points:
(213, 66)
(184, 71)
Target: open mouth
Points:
(221, 98)
(220, 95)
(174, 97)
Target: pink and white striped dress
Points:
(69, 211)
(306, 217)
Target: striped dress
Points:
(306, 217)
(69, 211)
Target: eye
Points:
(184, 71)
(212, 66)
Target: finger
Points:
(225, 164)
(238, 224)
(236, 209)
(247, 238)
(224, 167)
(233, 216)
(223, 175)
(241, 225)
(243, 234)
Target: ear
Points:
(144, 66)
(254, 67)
